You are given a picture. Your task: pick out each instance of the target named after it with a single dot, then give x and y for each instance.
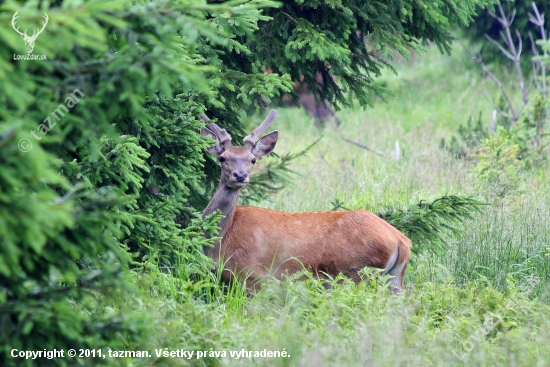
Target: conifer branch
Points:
(428, 223)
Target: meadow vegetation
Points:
(483, 301)
(100, 229)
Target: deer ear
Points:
(266, 144)
(215, 149)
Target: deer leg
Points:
(255, 276)
(252, 286)
(396, 271)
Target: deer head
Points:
(238, 161)
(29, 40)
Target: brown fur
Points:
(258, 242)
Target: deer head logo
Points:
(29, 40)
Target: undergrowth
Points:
(481, 297)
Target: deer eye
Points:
(221, 159)
(253, 160)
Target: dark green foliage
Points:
(55, 250)
(117, 181)
(352, 40)
(116, 173)
(428, 223)
(173, 177)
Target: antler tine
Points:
(251, 138)
(223, 136)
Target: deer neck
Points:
(225, 200)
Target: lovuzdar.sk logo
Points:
(29, 40)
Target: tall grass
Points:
(433, 96)
(506, 240)
(484, 301)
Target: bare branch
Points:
(502, 49)
(511, 19)
(536, 69)
(533, 45)
(364, 146)
(520, 45)
(502, 21)
(497, 108)
(288, 16)
(538, 20)
(497, 81)
(516, 53)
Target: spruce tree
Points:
(92, 183)
(352, 40)
(101, 161)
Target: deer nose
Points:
(240, 176)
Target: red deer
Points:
(257, 242)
